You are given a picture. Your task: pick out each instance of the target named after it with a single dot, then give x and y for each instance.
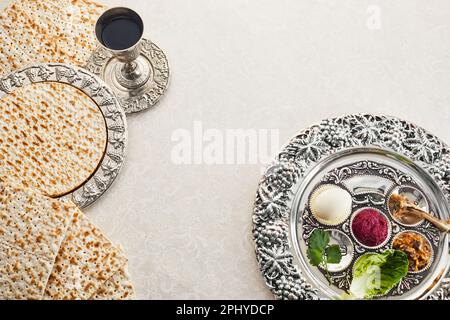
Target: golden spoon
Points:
(402, 209)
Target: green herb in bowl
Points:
(320, 253)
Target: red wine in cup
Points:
(121, 32)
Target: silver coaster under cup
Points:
(138, 74)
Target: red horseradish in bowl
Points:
(370, 227)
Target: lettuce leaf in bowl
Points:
(374, 274)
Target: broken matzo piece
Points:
(86, 260)
(118, 287)
(32, 228)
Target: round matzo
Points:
(52, 137)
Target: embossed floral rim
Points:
(273, 201)
(113, 114)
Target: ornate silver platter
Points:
(107, 103)
(370, 157)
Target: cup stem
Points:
(131, 70)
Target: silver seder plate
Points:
(371, 157)
(104, 98)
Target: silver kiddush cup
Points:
(132, 73)
(134, 67)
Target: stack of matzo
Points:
(52, 139)
(50, 250)
(47, 31)
(32, 228)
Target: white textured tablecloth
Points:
(279, 64)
